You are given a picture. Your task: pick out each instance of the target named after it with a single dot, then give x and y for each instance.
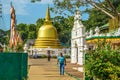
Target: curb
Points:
(77, 78)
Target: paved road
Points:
(41, 69)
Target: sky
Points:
(26, 12)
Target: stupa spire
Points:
(47, 17)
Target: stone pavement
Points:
(41, 69)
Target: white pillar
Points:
(73, 55)
(80, 56)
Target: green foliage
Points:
(67, 56)
(63, 26)
(32, 31)
(19, 47)
(27, 31)
(103, 63)
(63, 6)
(39, 23)
(54, 56)
(33, 1)
(31, 27)
(7, 49)
(43, 56)
(23, 31)
(22, 26)
(116, 5)
(4, 36)
(96, 18)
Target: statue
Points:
(86, 33)
(117, 33)
(91, 33)
(97, 31)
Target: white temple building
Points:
(78, 43)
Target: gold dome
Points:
(47, 35)
(47, 31)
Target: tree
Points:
(103, 63)
(63, 26)
(39, 23)
(19, 47)
(96, 18)
(23, 31)
(108, 7)
(100, 11)
(4, 36)
(34, 1)
(21, 26)
(27, 31)
(32, 31)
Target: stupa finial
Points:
(47, 17)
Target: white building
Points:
(77, 40)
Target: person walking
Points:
(49, 56)
(62, 62)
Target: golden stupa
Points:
(47, 35)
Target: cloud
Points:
(19, 5)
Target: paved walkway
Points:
(41, 69)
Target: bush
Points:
(54, 56)
(67, 56)
(43, 56)
(103, 63)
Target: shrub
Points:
(67, 56)
(103, 63)
(54, 56)
(43, 56)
